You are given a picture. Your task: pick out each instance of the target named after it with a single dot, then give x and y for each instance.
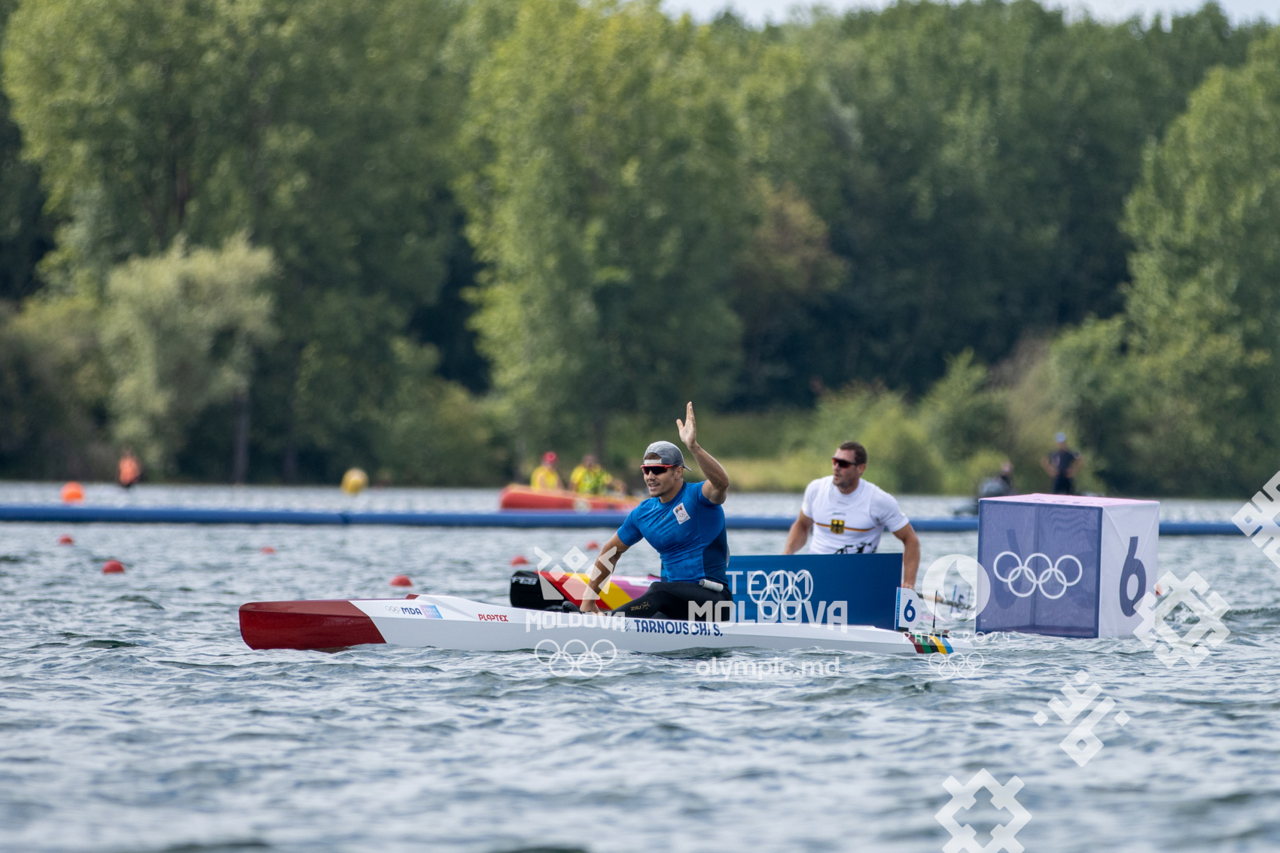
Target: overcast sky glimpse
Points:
(758, 11)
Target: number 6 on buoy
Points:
(908, 609)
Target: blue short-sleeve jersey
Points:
(688, 533)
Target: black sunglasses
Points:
(843, 463)
(655, 469)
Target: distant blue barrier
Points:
(507, 518)
(1198, 528)
(164, 515)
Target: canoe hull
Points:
(446, 622)
(306, 625)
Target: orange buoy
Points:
(72, 492)
(518, 560)
(267, 549)
(113, 567)
(401, 580)
(593, 545)
(64, 539)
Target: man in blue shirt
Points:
(685, 524)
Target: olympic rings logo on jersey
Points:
(575, 658)
(1052, 578)
(780, 587)
(959, 665)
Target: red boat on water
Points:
(523, 497)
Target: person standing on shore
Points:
(846, 514)
(1062, 465)
(130, 469)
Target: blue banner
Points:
(834, 589)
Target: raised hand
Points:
(688, 429)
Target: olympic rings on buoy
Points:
(1052, 572)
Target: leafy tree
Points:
(55, 391)
(433, 431)
(900, 455)
(993, 147)
(780, 279)
(41, 433)
(606, 203)
(322, 127)
(179, 332)
(796, 139)
(25, 232)
(1189, 371)
(119, 103)
(962, 412)
(655, 210)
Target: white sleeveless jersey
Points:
(852, 523)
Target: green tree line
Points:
(265, 240)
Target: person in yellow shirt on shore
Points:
(545, 476)
(590, 478)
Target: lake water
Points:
(133, 717)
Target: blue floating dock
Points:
(508, 518)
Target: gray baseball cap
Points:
(667, 453)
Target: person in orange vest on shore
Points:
(545, 476)
(130, 469)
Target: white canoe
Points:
(446, 622)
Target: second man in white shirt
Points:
(846, 514)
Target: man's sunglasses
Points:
(843, 463)
(655, 469)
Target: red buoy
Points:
(267, 549)
(64, 539)
(518, 560)
(72, 492)
(401, 580)
(113, 567)
(593, 545)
